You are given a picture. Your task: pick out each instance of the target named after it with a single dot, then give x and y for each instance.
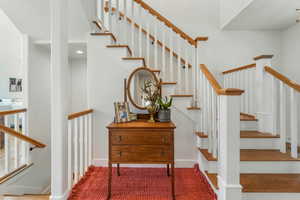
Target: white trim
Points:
(179, 163)
(61, 197)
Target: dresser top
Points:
(142, 124)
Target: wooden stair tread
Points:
(245, 134)
(105, 34)
(247, 117)
(257, 134)
(120, 46)
(26, 197)
(168, 83)
(182, 95)
(256, 155)
(193, 108)
(265, 183)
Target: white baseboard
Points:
(179, 163)
(60, 197)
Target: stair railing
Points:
(285, 92)
(244, 78)
(79, 145)
(153, 37)
(220, 121)
(17, 144)
(268, 93)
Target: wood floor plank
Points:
(266, 183)
(256, 155)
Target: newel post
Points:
(264, 94)
(229, 151)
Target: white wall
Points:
(224, 48)
(290, 50)
(10, 56)
(230, 8)
(78, 84)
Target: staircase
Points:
(240, 148)
(16, 156)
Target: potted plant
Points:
(164, 114)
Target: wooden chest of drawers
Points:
(141, 142)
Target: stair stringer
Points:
(16, 187)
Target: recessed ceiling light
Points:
(80, 52)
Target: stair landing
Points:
(266, 183)
(25, 197)
(256, 155)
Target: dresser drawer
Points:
(141, 138)
(141, 153)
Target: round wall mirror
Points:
(136, 82)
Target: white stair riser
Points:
(137, 63)
(249, 126)
(248, 143)
(260, 167)
(270, 196)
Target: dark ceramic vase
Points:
(164, 115)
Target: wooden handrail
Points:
(168, 23)
(79, 114)
(130, 21)
(10, 112)
(161, 18)
(283, 78)
(20, 136)
(240, 68)
(216, 86)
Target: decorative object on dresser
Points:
(121, 112)
(141, 142)
(143, 90)
(164, 114)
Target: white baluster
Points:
(186, 69)
(196, 77)
(140, 32)
(294, 123)
(132, 27)
(179, 82)
(110, 12)
(85, 143)
(163, 55)
(282, 118)
(125, 22)
(102, 11)
(16, 142)
(81, 146)
(70, 154)
(117, 21)
(155, 45)
(171, 78)
(147, 18)
(209, 117)
(214, 123)
(24, 146)
(247, 90)
(76, 151)
(274, 105)
(90, 138)
(7, 147)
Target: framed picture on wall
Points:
(121, 112)
(15, 85)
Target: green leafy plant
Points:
(165, 103)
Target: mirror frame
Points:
(129, 84)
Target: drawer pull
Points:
(164, 140)
(120, 138)
(120, 154)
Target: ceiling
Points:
(32, 17)
(266, 15)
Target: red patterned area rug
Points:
(143, 184)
